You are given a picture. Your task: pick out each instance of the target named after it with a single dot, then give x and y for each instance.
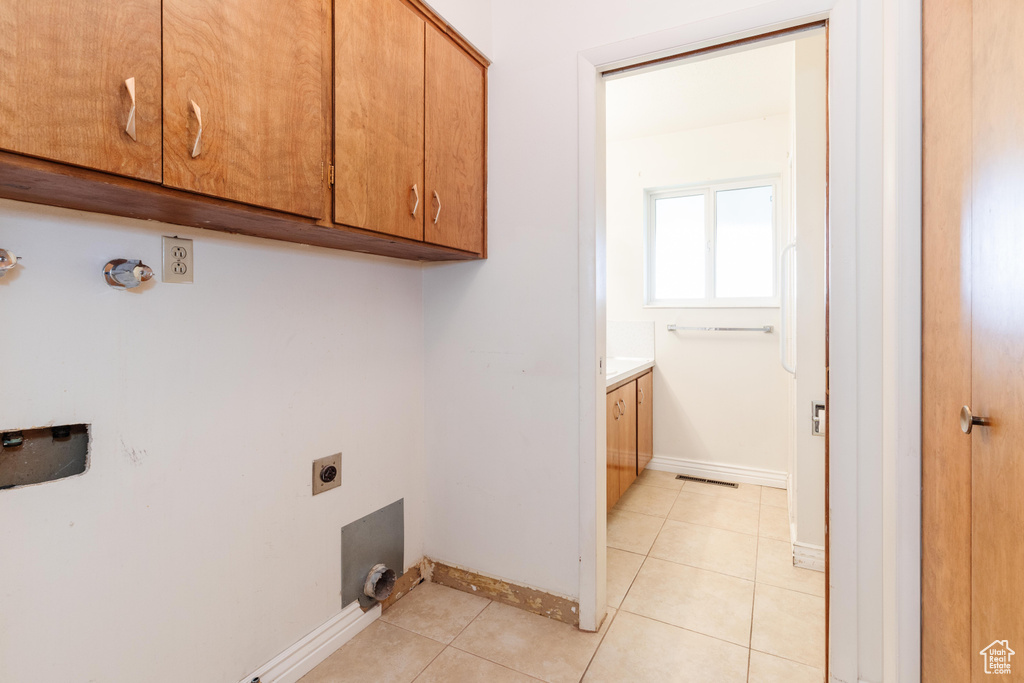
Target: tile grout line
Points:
(402, 628)
(453, 646)
(600, 643)
(684, 628)
(618, 609)
(705, 569)
(446, 645)
(788, 659)
(757, 536)
(669, 519)
(753, 601)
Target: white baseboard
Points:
(713, 470)
(299, 659)
(808, 556)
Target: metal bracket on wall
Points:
(818, 418)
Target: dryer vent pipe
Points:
(379, 582)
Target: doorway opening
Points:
(715, 291)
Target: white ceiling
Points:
(726, 88)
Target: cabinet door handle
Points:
(130, 128)
(623, 408)
(437, 214)
(197, 146)
(641, 396)
(615, 411)
(416, 194)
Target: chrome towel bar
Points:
(767, 329)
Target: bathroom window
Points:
(713, 245)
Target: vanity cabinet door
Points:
(627, 436)
(80, 83)
(613, 448)
(644, 421)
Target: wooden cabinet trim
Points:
(447, 29)
(44, 182)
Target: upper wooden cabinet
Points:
(65, 88)
(378, 120)
(243, 101)
(455, 145)
(349, 124)
(410, 127)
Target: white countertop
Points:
(620, 370)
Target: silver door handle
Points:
(615, 411)
(438, 213)
(641, 394)
(968, 420)
(130, 127)
(197, 146)
(416, 193)
(623, 408)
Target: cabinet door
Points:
(613, 448)
(65, 93)
(455, 124)
(627, 436)
(644, 421)
(243, 96)
(378, 121)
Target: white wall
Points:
(722, 398)
(807, 498)
(192, 549)
(471, 18)
(503, 378)
(517, 320)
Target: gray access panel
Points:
(377, 538)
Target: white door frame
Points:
(874, 223)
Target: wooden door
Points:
(455, 126)
(973, 343)
(378, 122)
(612, 429)
(627, 436)
(251, 72)
(644, 421)
(997, 330)
(65, 70)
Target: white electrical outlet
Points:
(177, 260)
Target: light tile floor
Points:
(701, 588)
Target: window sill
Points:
(713, 304)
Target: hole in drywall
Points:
(38, 455)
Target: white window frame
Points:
(708, 190)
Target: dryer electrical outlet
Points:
(326, 473)
(177, 260)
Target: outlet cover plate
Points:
(320, 466)
(177, 260)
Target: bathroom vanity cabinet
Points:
(630, 432)
(350, 124)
